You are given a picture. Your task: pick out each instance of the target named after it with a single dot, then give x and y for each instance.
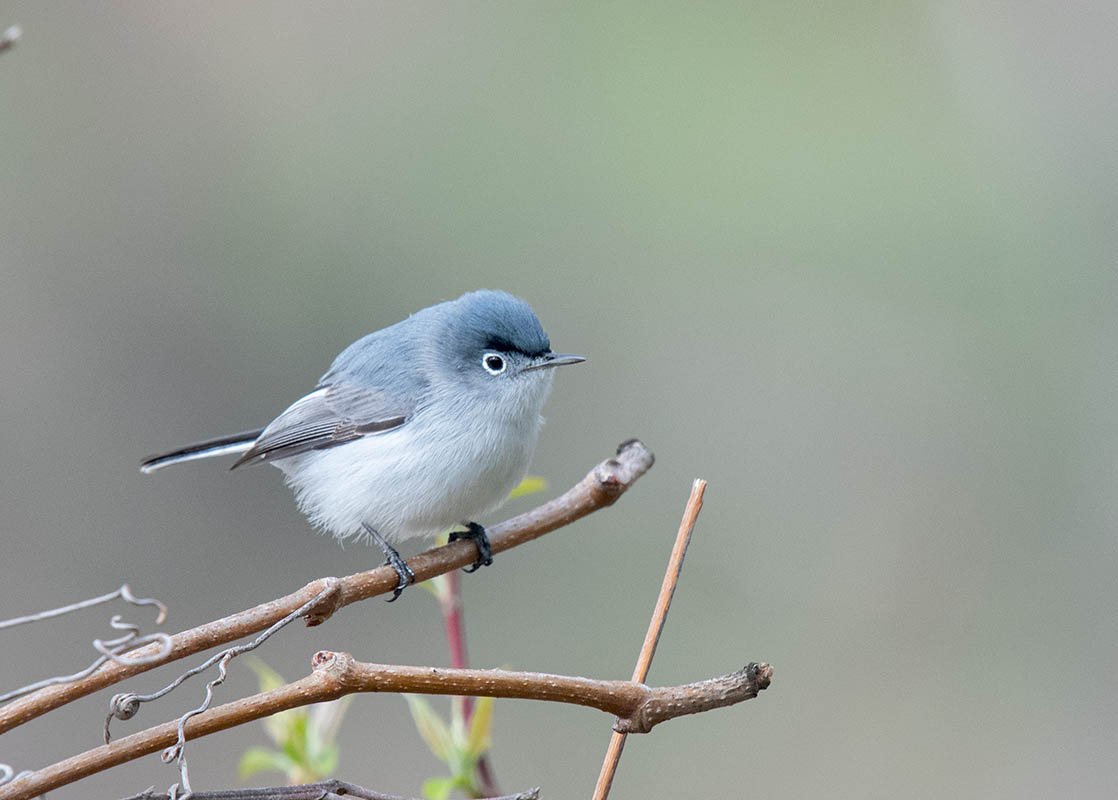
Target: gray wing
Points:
(327, 417)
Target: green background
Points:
(851, 263)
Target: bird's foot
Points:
(394, 560)
(476, 534)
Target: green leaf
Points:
(304, 736)
(322, 763)
(284, 727)
(530, 485)
(323, 720)
(481, 724)
(435, 585)
(438, 788)
(261, 759)
(295, 740)
(431, 727)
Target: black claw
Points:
(392, 559)
(407, 577)
(476, 534)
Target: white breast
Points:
(433, 472)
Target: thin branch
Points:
(124, 593)
(638, 707)
(600, 488)
(325, 790)
(110, 649)
(655, 628)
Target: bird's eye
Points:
(493, 363)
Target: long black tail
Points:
(225, 445)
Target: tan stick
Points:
(655, 628)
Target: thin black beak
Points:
(555, 360)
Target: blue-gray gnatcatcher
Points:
(420, 426)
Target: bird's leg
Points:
(393, 559)
(476, 534)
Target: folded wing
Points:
(327, 417)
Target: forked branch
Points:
(637, 707)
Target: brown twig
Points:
(600, 488)
(638, 707)
(655, 628)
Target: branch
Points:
(655, 628)
(638, 707)
(600, 488)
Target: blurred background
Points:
(853, 264)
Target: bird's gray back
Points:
(388, 359)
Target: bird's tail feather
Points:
(222, 446)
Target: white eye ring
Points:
(493, 363)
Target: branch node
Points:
(614, 475)
(332, 665)
(329, 603)
(761, 674)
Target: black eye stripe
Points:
(505, 346)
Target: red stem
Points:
(454, 623)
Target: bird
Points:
(416, 428)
